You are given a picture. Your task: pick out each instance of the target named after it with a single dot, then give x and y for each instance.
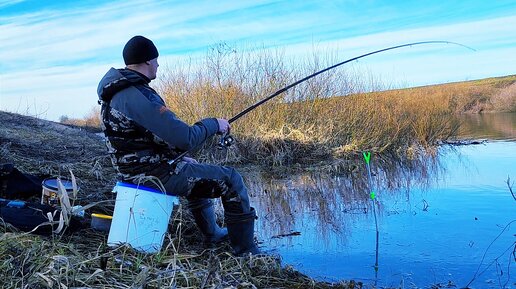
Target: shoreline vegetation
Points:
(326, 120)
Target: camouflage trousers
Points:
(199, 182)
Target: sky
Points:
(53, 53)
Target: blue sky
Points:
(53, 53)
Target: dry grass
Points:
(46, 148)
(496, 94)
(83, 260)
(91, 120)
(74, 261)
(504, 99)
(309, 123)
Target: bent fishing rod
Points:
(227, 140)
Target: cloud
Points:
(53, 37)
(494, 40)
(5, 3)
(55, 58)
(52, 92)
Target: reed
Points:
(325, 118)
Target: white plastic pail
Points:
(141, 217)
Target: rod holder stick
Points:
(372, 195)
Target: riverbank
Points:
(41, 147)
(81, 259)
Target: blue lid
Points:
(51, 184)
(142, 187)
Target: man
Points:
(143, 135)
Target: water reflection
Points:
(490, 125)
(439, 218)
(332, 201)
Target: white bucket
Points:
(141, 217)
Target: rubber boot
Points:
(241, 233)
(204, 216)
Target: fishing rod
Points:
(227, 140)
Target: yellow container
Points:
(101, 222)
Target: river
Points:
(447, 220)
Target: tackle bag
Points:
(26, 216)
(17, 185)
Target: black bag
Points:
(26, 216)
(15, 185)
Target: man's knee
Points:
(208, 188)
(235, 179)
(236, 200)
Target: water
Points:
(494, 126)
(445, 220)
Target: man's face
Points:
(153, 68)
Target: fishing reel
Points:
(226, 140)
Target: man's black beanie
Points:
(138, 50)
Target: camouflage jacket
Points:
(142, 134)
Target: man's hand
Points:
(224, 126)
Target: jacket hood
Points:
(117, 80)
